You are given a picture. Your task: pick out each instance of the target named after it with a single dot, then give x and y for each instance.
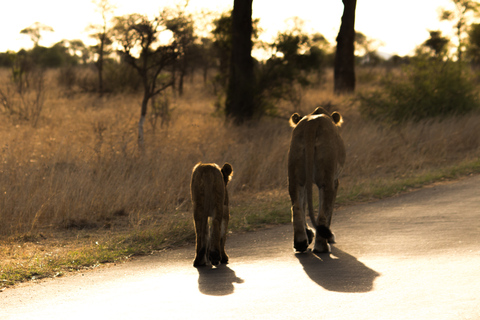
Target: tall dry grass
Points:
(80, 168)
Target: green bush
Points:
(427, 88)
(117, 78)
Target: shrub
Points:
(428, 88)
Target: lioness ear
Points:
(337, 118)
(294, 119)
(227, 172)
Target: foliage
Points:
(473, 49)
(366, 50)
(437, 43)
(35, 30)
(58, 55)
(222, 44)
(137, 33)
(6, 59)
(118, 78)
(429, 88)
(296, 59)
(462, 11)
(103, 36)
(181, 25)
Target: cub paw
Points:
(215, 258)
(199, 262)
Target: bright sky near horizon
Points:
(398, 25)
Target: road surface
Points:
(415, 256)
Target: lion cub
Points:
(210, 200)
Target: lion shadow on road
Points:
(338, 271)
(217, 281)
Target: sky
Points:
(397, 26)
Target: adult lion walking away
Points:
(316, 155)
(210, 200)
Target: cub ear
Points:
(337, 118)
(294, 119)
(227, 172)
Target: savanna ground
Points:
(75, 193)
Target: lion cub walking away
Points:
(316, 156)
(210, 200)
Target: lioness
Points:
(210, 200)
(316, 155)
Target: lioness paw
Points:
(300, 246)
(332, 239)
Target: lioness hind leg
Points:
(215, 255)
(200, 258)
(323, 237)
(301, 236)
(331, 239)
(223, 256)
(223, 239)
(201, 230)
(323, 233)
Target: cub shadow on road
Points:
(217, 281)
(338, 271)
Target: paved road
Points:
(416, 256)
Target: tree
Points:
(136, 33)
(459, 15)
(296, 56)
(182, 27)
(205, 56)
(102, 35)
(473, 49)
(78, 50)
(35, 30)
(222, 44)
(239, 104)
(344, 69)
(437, 43)
(367, 48)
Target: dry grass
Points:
(80, 166)
(79, 169)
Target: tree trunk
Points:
(181, 78)
(239, 104)
(100, 62)
(345, 55)
(143, 114)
